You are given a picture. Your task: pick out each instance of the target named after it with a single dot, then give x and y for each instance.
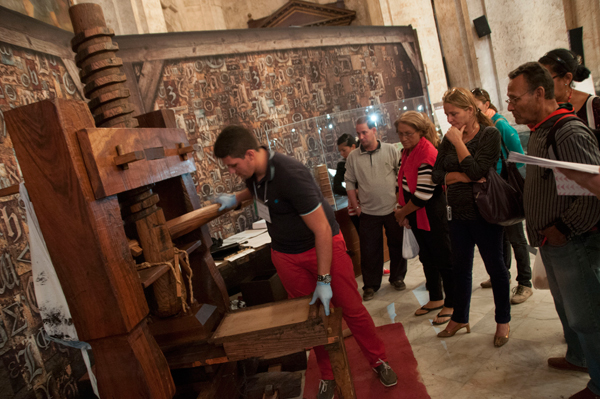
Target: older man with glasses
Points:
(565, 228)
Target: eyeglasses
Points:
(514, 100)
(477, 91)
(405, 135)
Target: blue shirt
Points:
(510, 139)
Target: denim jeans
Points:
(574, 277)
(464, 235)
(515, 236)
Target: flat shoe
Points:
(439, 323)
(427, 310)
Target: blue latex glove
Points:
(227, 201)
(324, 293)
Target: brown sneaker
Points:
(520, 294)
(368, 294)
(486, 284)
(561, 363)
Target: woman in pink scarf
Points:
(422, 207)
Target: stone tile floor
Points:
(468, 365)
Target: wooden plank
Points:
(191, 247)
(194, 354)
(11, 190)
(148, 83)
(99, 148)
(131, 83)
(339, 357)
(223, 386)
(132, 366)
(260, 318)
(74, 72)
(107, 299)
(151, 274)
(23, 31)
(193, 220)
(278, 342)
(164, 46)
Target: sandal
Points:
(439, 323)
(427, 310)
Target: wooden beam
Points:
(164, 46)
(148, 83)
(192, 220)
(73, 70)
(23, 31)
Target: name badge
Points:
(263, 210)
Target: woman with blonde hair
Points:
(422, 207)
(514, 235)
(470, 148)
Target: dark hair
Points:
(363, 119)
(234, 141)
(563, 61)
(346, 139)
(484, 97)
(536, 76)
(464, 99)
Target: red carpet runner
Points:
(366, 382)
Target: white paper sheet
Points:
(564, 186)
(243, 236)
(551, 163)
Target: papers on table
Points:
(564, 186)
(240, 238)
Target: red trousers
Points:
(298, 273)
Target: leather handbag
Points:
(500, 200)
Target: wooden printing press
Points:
(108, 188)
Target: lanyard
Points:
(265, 196)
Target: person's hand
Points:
(358, 210)
(398, 215)
(227, 201)
(554, 236)
(405, 223)
(322, 292)
(455, 135)
(482, 180)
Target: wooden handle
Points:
(192, 220)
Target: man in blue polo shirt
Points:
(307, 248)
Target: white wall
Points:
(130, 17)
(419, 14)
(522, 31)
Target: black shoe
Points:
(368, 294)
(386, 375)
(399, 285)
(326, 389)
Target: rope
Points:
(182, 259)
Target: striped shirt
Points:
(572, 215)
(425, 185)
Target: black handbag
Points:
(500, 200)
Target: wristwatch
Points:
(326, 278)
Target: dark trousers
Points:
(464, 235)
(436, 257)
(356, 222)
(371, 249)
(515, 236)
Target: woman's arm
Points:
(486, 155)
